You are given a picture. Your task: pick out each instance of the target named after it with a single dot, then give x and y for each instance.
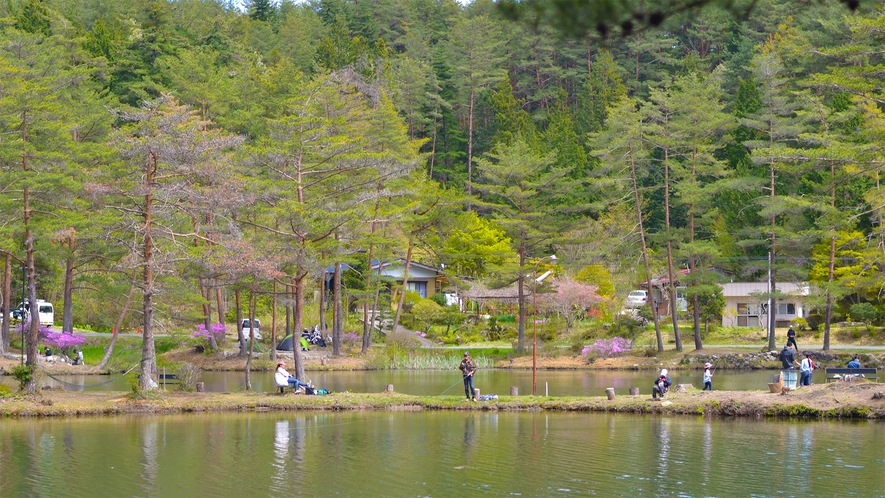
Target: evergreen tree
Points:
(521, 189)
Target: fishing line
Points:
(453, 385)
(87, 386)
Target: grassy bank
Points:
(837, 400)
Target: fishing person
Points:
(468, 368)
(708, 377)
(791, 337)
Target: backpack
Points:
(309, 390)
(322, 391)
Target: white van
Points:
(247, 328)
(45, 311)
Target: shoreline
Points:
(838, 400)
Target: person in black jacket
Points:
(791, 337)
(662, 385)
(468, 368)
(787, 357)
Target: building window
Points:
(786, 308)
(419, 287)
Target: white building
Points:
(747, 306)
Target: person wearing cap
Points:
(468, 368)
(283, 379)
(708, 376)
(805, 369)
(854, 363)
(662, 385)
(791, 337)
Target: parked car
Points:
(247, 328)
(637, 299)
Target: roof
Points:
(735, 289)
(402, 262)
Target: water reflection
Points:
(149, 452)
(438, 454)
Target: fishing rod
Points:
(453, 385)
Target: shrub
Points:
(624, 326)
(801, 324)
(863, 312)
(23, 374)
(439, 298)
(814, 321)
(351, 339)
(5, 391)
(216, 329)
(615, 346)
(63, 341)
(188, 375)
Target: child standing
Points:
(708, 377)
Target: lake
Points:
(438, 454)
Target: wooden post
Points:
(634, 391)
(514, 391)
(389, 388)
(201, 387)
(610, 392)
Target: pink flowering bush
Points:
(62, 341)
(606, 348)
(350, 339)
(216, 329)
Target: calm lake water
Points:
(438, 454)
(448, 382)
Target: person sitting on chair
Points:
(283, 379)
(854, 363)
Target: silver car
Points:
(637, 299)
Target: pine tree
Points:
(521, 188)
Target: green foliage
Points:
(863, 312)
(815, 320)
(496, 331)
(23, 374)
(5, 391)
(598, 275)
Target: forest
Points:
(169, 163)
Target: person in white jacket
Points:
(805, 369)
(283, 379)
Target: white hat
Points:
(708, 365)
(664, 371)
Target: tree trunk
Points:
(829, 309)
(116, 330)
(67, 320)
(251, 338)
(520, 302)
(147, 349)
(654, 307)
(240, 339)
(470, 144)
(402, 296)
(206, 293)
(297, 317)
(5, 336)
(695, 302)
(337, 322)
(672, 285)
(219, 306)
(273, 324)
